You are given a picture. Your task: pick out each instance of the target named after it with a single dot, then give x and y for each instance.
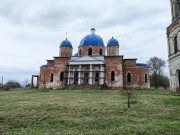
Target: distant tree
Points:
(164, 81)
(25, 83)
(1, 86)
(11, 84)
(156, 68)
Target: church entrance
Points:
(86, 78)
(178, 80)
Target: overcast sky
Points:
(32, 30)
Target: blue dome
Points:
(43, 66)
(92, 39)
(113, 41)
(76, 54)
(66, 43)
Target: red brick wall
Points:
(114, 63)
(45, 73)
(95, 50)
(137, 77)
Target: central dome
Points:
(92, 39)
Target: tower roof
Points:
(92, 39)
(113, 42)
(66, 43)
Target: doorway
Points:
(177, 80)
(86, 77)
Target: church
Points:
(93, 66)
(173, 37)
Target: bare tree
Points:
(131, 96)
(156, 67)
(25, 82)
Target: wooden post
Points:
(32, 83)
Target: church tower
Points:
(173, 37)
(65, 49)
(175, 9)
(113, 47)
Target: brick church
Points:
(94, 65)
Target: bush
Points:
(11, 84)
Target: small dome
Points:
(43, 66)
(112, 42)
(76, 54)
(66, 43)
(92, 39)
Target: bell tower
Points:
(175, 9)
(173, 38)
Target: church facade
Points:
(173, 37)
(94, 65)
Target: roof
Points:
(43, 66)
(174, 21)
(113, 42)
(92, 40)
(86, 60)
(142, 65)
(66, 43)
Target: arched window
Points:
(51, 79)
(100, 51)
(175, 44)
(62, 76)
(145, 77)
(80, 52)
(129, 77)
(112, 76)
(90, 51)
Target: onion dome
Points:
(92, 40)
(66, 43)
(113, 42)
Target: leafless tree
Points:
(131, 96)
(156, 67)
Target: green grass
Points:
(101, 112)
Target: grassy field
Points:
(101, 112)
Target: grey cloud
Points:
(32, 30)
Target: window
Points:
(112, 76)
(62, 76)
(175, 44)
(90, 51)
(100, 51)
(145, 77)
(80, 52)
(97, 77)
(129, 77)
(51, 79)
(75, 77)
